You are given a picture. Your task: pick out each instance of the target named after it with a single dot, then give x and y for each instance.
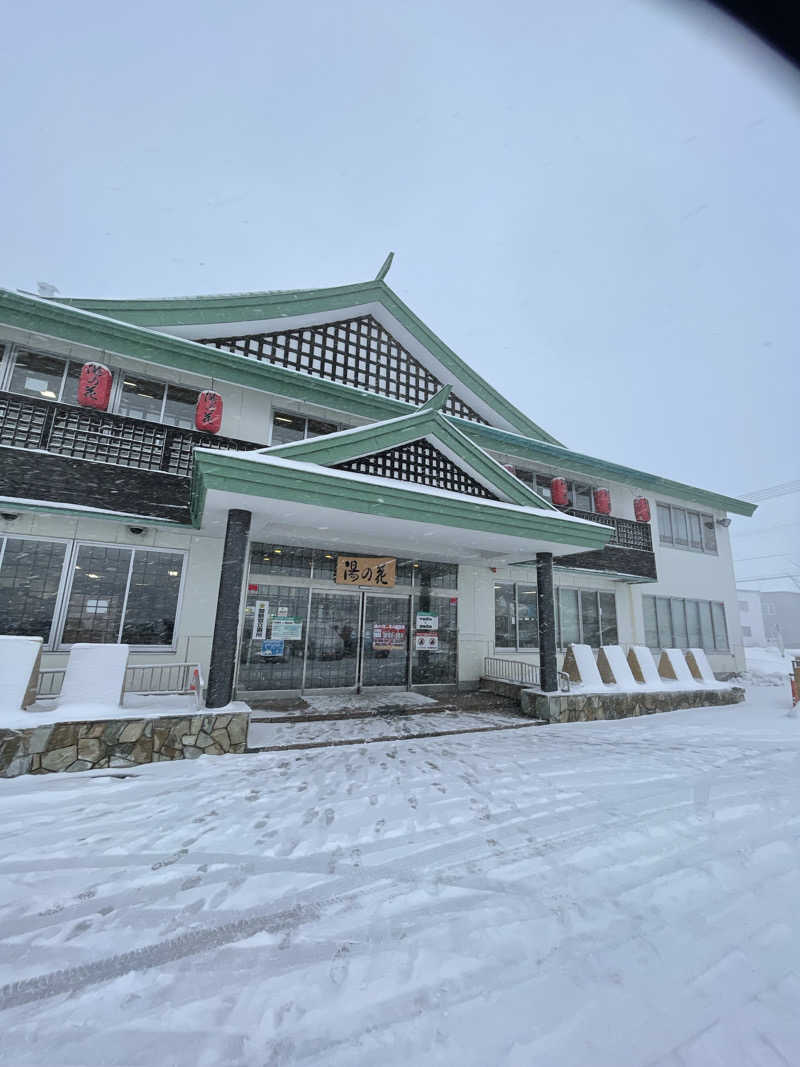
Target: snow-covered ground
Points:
(610, 893)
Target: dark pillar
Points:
(226, 624)
(545, 600)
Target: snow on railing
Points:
(145, 679)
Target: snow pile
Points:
(647, 665)
(766, 666)
(620, 668)
(606, 894)
(95, 674)
(678, 666)
(17, 659)
(586, 665)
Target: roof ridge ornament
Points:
(437, 401)
(385, 268)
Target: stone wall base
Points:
(586, 707)
(87, 746)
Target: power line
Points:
(770, 555)
(766, 529)
(784, 489)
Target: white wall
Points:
(751, 615)
(195, 622)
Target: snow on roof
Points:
(390, 483)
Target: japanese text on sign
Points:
(366, 570)
(385, 636)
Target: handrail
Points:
(144, 679)
(519, 672)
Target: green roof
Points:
(251, 307)
(70, 321)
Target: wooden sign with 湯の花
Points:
(377, 571)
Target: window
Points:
(743, 605)
(320, 564)
(674, 622)
(583, 617)
(144, 398)
(769, 609)
(682, 528)
(287, 428)
(581, 496)
(53, 378)
(122, 595)
(34, 374)
(30, 576)
(747, 631)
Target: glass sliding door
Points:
(439, 665)
(332, 654)
(385, 640)
(272, 651)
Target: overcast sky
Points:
(594, 203)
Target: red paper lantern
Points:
(94, 386)
(208, 414)
(641, 509)
(602, 502)
(559, 493)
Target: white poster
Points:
(287, 630)
(427, 621)
(426, 642)
(260, 613)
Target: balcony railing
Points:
(627, 533)
(83, 433)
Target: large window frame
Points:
(585, 600)
(686, 529)
(8, 364)
(54, 642)
(684, 617)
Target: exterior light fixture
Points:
(725, 523)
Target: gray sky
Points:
(593, 203)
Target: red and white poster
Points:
(386, 635)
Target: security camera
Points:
(9, 516)
(137, 530)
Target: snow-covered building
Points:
(370, 512)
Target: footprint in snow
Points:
(413, 802)
(309, 816)
(340, 964)
(330, 815)
(379, 825)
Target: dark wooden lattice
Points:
(357, 352)
(420, 462)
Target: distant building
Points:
(782, 618)
(769, 618)
(751, 618)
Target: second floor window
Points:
(683, 528)
(287, 428)
(580, 495)
(53, 378)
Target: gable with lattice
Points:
(357, 352)
(419, 462)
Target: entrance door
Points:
(332, 653)
(384, 644)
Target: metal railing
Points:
(627, 533)
(146, 679)
(519, 672)
(83, 433)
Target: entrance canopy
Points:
(322, 493)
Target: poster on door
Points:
(271, 649)
(386, 636)
(426, 642)
(426, 620)
(286, 629)
(260, 616)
